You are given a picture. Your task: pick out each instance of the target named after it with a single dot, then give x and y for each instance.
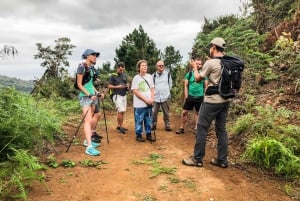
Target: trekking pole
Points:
(105, 121)
(77, 130)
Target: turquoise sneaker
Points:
(92, 151)
(94, 144)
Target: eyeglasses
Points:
(160, 65)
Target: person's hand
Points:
(101, 95)
(193, 65)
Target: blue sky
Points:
(100, 25)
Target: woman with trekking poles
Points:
(88, 99)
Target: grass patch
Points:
(157, 168)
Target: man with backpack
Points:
(162, 83)
(88, 98)
(193, 95)
(119, 86)
(214, 107)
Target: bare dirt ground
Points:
(122, 179)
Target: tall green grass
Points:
(275, 140)
(26, 124)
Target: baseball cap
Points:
(220, 42)
(88, 52)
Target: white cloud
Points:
(100, 25)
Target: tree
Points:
(106, 67)
(171, 57)
(135, 46)
(8, 50)
(55, 59)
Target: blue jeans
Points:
(143, 118)
(207, 113)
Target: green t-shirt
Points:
(194, 88)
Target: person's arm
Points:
(186, 90)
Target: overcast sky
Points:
(100, 25)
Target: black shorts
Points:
(193, 102)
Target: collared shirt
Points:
(162, 84)
(119, 79)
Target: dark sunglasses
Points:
(95, 55)
(160, 65)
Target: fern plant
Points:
(17, 173)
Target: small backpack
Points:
(111, 91)
(86, 76)
(231, 77)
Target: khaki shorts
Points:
(120, 102)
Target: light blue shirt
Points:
(162, 85)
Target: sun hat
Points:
(88, 52)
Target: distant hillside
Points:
(18, 84)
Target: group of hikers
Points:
(151, 94)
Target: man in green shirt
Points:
(193, 96)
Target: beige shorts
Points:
(120, 102)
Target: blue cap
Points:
(88, 52)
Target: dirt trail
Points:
(121, 179)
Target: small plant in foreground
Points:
(68, 163)
(51, 161)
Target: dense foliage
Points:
(26, 126)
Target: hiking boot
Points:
(219, 164)
(118, 128)
(94, 144)
(180, 131)
(150, 138)
(191, 161)
(96, 137)
(92, 151)
(122, 130)
(168, 129)
(140, 139)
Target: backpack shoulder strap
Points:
(154, 77)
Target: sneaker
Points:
(180, 131)
(191, 161)
(168, 129)
(150, 138)
(118, 128)
(140, 139)
(219, 164)
(96, 138)
(92, 151)
(122, 130)
(96, 135)
(94, 144)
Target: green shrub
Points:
(272, 154)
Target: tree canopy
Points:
(135, 46)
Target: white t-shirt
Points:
(139, 83)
